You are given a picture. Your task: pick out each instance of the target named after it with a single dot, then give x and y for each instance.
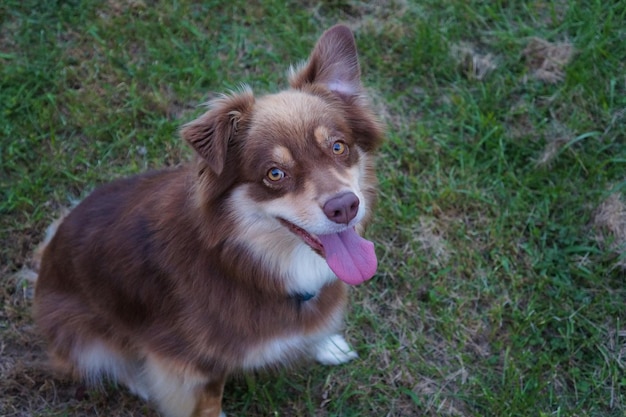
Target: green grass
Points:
(501, 229)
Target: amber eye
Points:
(275, 174)
(339, 148)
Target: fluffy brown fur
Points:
(171, 280)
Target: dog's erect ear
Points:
(333, 63)
(212, 133)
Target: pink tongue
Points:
(351, 257)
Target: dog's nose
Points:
(342, 208)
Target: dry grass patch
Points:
(441, 395)
(610, 222)
(547, 60)
(552, 12)
(474, 65)
(431, 237)
(374, 14)
(120, 7)
(614, 352)
(557, 137)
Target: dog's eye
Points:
(339, 148)
(275, 174)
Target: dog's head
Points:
(297, 166)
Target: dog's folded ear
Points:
(333, 63)
(211, 134)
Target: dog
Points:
(170, 281)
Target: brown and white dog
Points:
(169, 281)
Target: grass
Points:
(501, 229)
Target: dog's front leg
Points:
(209, 403)
(334, 350)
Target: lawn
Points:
(501, 226)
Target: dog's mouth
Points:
(311, 240)
(350, 257)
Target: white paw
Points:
(334, 350)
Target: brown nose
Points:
(342, 208)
